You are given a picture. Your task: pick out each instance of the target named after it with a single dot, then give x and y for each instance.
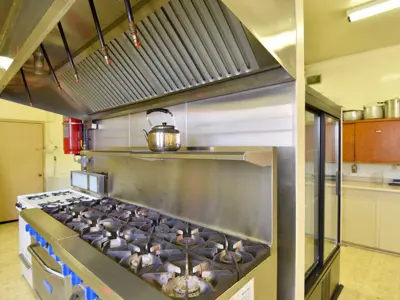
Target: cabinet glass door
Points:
(312, 187)
(331, 203)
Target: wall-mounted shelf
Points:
(261, 156)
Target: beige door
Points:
(21, 164)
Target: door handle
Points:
(42, 263)
(24, 261)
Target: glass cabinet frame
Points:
(326, 185)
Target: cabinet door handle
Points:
(42, 263)
(378, 131)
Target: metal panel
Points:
(46, 226)
(24, 28)
(211, 193)
(105, 276)
(184, 44)
(262, 117)
(113, 132)
(139, 122)
(224, 88)
(274, 24)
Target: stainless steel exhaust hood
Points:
(184, 45)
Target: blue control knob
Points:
(42, 242)
(51, 252)
(38, 237)
(75, 280)
(58, 259)
(31, 231)
(28, 228)
(90, 294)
(65, 270)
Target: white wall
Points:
(355, 80)
(56, 172)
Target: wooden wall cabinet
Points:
(372, 141)
(349, 142)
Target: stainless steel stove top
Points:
(181, 259)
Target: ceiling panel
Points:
(328, 34)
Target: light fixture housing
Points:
(5, 62)
(371, 8)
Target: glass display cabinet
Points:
(323, 190)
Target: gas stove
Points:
(181, 259)
(61, 197)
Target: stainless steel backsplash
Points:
(232, 196)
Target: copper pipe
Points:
(69, 55)
(26, 87)
(52, 72)
(99, 33)
(132, 26)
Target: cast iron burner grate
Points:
(181, 259)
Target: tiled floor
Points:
(369, 275)
(12, 285)
(366, 275)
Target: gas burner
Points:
(80, 200)
(104, 208)
(174, 224)
(178, 280)
(187, 286)
(109, 201)
(141, 223)
(127, 207)
(147, 213)
(181, 259)
(62, 215)
(76, 208)
(123, 215)
(189, 241)
(38, 197)
(61, 193)
(50, 207)
(131, 234)
(78, 224)
(233, 257)
(91, 215)
(110, 225)
(137, 262)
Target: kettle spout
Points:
(146, 135)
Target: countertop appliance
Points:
(116, 248)
(59, 198)
(179, 259)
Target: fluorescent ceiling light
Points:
(371, 8)
(5, 62)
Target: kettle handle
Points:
(162, 110)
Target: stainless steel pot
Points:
(373, 111)
(352, 115)
(164, 137)
(392, 108)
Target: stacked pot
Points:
(388, 109)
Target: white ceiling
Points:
(328, 33)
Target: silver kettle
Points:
(164, 137)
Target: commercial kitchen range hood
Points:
(195, 46)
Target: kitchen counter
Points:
(371, 186)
